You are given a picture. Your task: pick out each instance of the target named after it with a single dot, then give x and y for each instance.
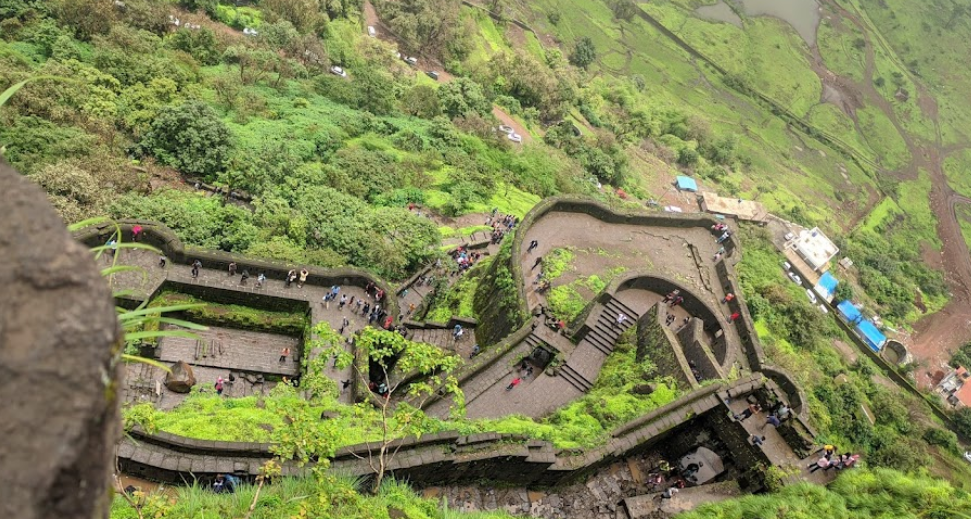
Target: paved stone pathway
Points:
(150, 276)
(777, 449)
(230, 349)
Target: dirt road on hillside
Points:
(937, 335)
(426, 63)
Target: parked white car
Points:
(967, 456)
(515, 137)
(508, 130)
(794, 277)
(411, 60)
(338, 71)
(371, 31)
(823, 309)
(811, 296)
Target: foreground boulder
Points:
(180, 379)
(59, 347)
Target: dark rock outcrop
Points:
(180, 379)
(59, 341)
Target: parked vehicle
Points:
(338, 71)
(508, 130)
(823, 309)
(410, 60)
(794, 277)
(811, 296)
(432, 74)
(371, 31)
(515, 137)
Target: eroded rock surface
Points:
(58, 330)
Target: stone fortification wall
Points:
(655, 342)
(166, 240)
(693, 343)
(435, 459)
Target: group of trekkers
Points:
(501, 224)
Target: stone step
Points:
(614, 306)
(574, 378)
(602, 342)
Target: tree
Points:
(624, 9)
(421, 101)
(584, 53)
(426, 26)
(844, 292)
(191, 138)
(385, 361)
(87, 17)
(463, 96)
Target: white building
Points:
(815, 248)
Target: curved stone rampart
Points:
(434, 459)
(163, 238)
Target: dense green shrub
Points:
(191, 138)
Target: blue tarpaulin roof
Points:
(871, 335)
(687, 184)
(826, 286)
(850, 312)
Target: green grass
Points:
(557, 262)
(325, 496)
(839, 44)
(856, 494)
(883, 138)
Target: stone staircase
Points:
(437, 336)
(581, 367)
(606, 332)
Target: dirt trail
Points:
(428, 63)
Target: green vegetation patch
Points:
(856, 494)
(324, 495)
(236, 316)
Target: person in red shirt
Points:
(734, 317)
(728, 297)
(515, 382)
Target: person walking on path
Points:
(723, 237)
(290, 277)
(136, 233)
(244, 277)
(772, 420)
(621, 318)
(343, 301)
(196, 265)
(457, 331)
(515, 382)
(734, 317)
(728, 298)
(284, 354)
(260, 279)
(757, 440)
(232, 268)
(344, 385)
(303, 277)
(162, 260)
(744, 415)
(532, 245)
(344, 324)
(539, 259)
(668, 493)
(219, 386)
